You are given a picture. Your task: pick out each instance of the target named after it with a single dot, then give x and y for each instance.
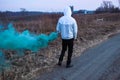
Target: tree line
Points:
(108, 7)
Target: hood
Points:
(67, 11)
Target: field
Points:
(91, 31)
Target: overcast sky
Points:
(50, 5)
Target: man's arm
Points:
(75, 30)
(58, 27)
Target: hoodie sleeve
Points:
(75, 30)
(58, 27)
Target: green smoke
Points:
(2, 59)
(3, 63)
(10, 39)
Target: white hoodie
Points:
(67, 25)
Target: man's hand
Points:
(75, 39)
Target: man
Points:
(67, 27)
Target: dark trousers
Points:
(67, 44)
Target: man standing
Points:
(67, 27)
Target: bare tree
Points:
(119, 3)
(22, 9)
(107, 5)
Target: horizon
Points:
(50, 5)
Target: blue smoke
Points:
(10, 39)
(2, 59)
(3, 63)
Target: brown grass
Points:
(90, 32)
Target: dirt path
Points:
(91, 65)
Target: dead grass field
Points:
(90, 33)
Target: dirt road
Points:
(91, 65)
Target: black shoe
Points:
(69, 66)
(59, 64)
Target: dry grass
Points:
(90, 32)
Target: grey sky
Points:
(50, 5)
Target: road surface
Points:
(90, 65)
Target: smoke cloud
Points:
(10, 39)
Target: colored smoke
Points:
(3, 63)
(10, 39)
